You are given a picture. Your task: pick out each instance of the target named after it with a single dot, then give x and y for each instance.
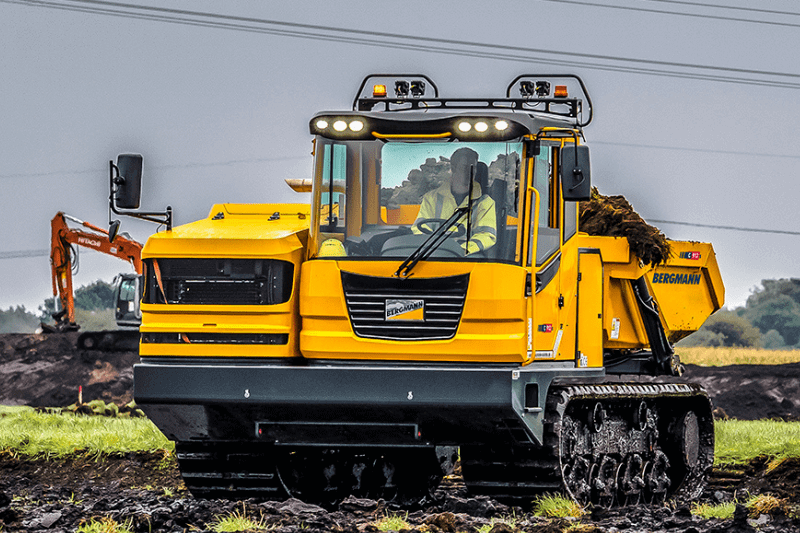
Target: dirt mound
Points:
(46, 370)
(745, 392)
(613, 216)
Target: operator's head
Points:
(460, 163)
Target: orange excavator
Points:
(127, 289)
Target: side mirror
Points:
(128, 183)
(576, 183)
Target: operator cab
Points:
(393, 177)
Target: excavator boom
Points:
(63, 239)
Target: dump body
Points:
(687, 290)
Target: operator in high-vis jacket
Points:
(441, 203)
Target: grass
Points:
(509, 520)
(764, 504)
(556, 506)
(28, 433)
(238, 521)
(722, 356)
(756, 506)
(393, 522)
(103, 525)
(738, 441)
(720, 511)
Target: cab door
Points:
(552, 260)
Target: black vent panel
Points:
(215, 338)
(405, 309)
(218, 281)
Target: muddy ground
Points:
(146, 491)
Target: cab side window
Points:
(334, 172)
(544, 182)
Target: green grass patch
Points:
(393, 522)
(103, 525)
(721, 511)
(738, 441)
(723, 356)
(509, 520)
(756, 506)
(556, 506)
(238, 521)
(25, 432)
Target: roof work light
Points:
(379, 91)
(417, 88)
(401, 88)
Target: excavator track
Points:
(608, 444)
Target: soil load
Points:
(613, 216)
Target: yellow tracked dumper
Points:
(435, 301)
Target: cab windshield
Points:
(377, 199)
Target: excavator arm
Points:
(62, 242)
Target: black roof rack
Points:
(418, 92)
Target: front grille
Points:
(215, 338)
(367, 299)
(219, 281)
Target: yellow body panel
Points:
(492, 326)
(243, 231)
(590, 304)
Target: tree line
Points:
(769, 319)
(97, 296)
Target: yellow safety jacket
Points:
(440, 204)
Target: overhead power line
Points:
(16, 254)
(695, 149)
(419, 43)
(24, 253)
(678, 13)
(732, 8)
(731, 228)
(161, 167)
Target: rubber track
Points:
(229, 470)
(523, 470)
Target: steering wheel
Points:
(424, 227)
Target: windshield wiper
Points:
(430, 244)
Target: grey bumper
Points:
(343, 405)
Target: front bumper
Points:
(333, 404)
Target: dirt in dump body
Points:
(613, 216)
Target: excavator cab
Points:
(127, 298)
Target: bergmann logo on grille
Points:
(405, 309)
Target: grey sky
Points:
(221, 115)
